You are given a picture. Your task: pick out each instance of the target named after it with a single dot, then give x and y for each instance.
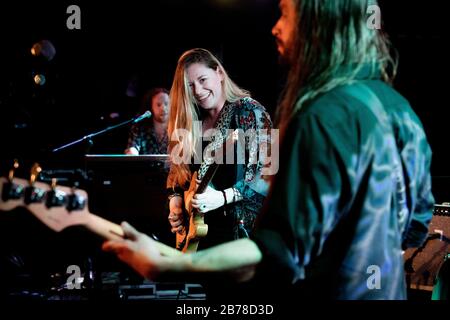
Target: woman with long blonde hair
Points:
(203, 97)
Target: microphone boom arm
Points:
(89, 137)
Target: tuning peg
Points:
(12, 171)
(75, 201)
(32, 194)
(35, 171)
(54, 197)
(10, 190)
(53, 185)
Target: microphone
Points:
(146, 114)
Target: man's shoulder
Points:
(332, 107)
(337, 105)
(393, 101)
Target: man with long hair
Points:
(353, 188)
(150, 137)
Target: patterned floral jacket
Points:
(244, 174)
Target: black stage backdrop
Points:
(99, 73)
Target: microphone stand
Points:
(89, 137)
(92, 281)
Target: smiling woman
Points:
(205, 84)
(203, 91)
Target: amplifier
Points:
(422, 264)
(162, 291)
(133, 189)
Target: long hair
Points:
(184, 113)
(332, 43)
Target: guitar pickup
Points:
(12, 191)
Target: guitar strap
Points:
(222, 127)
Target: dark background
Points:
(121, 46)
(128, 43)
(139, 42)
(135, 44)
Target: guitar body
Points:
(195, 227)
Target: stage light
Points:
(39, 79)
(43, 48)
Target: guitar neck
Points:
(207, 177)
(211, 171)
(58, 217)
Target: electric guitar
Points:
(59, 207)
(194, 227)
